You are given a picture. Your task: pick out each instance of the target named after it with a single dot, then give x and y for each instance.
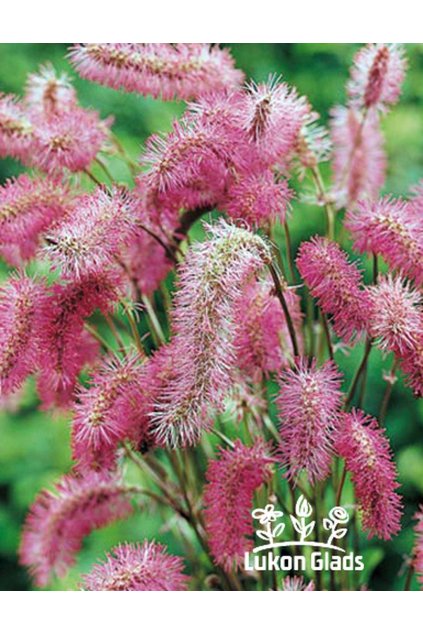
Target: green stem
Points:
(280, 296)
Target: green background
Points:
(34, 448)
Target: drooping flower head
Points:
(359, 161)
(211, 280)
(335, 283)
(308, 402)
(272, 115)
(365, 448)
(377, 75)
(101, 415)
(392, 229)
(65, 347)
(19, 323)
(92, 236)
(49, 93)
(228, 496)
(58, 521)
(27, 208)
(137, 567)
(16, 129)
(169, 71)
(67, 141)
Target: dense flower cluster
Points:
(203, 374)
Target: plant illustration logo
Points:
(328, 552)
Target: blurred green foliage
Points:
(34, 448)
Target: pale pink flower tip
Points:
(377, 75)
(368, 457)
(390, 228)
(57, 522)
(297, 584)
(359, 161)
(228, 496)
(309, 403)
(48, 92)
(336, 283)
(138, 567)
(182, 71)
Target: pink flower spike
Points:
(336, 284)
(49, 93)
(392, 229)
(93, 235)
(67, 141)
(377, 76)
(169, 71)
(138, 567)
(16, 129)
(418, 548)
(228, 496)
(19, 327)
(365, 448)
(27, 208)
(101, 416)
(359, 161)
(212, 278)
(396, 317)
(65, 347)
(57, 522)
(309, 403)
(272, 115)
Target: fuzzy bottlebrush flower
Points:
(67, 141)
(49, 93)
(359, 161)
(336, 284)
(147, 261)
(396, 321)
(101, 418)
(228, 496)
(418, 548)
(365, 448)
(211, 281)
(396, 317)
(262, 340)
(19, 327)
(392, 229)
(272, 115)
(182, 71)
(57, 522)
(258, 199)
(65, 347)
(192, 155)
(308, 402)
(92, 237)
(16, 129)
(27, 208)
(297, 584)
(377, 76)
(138, 567)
